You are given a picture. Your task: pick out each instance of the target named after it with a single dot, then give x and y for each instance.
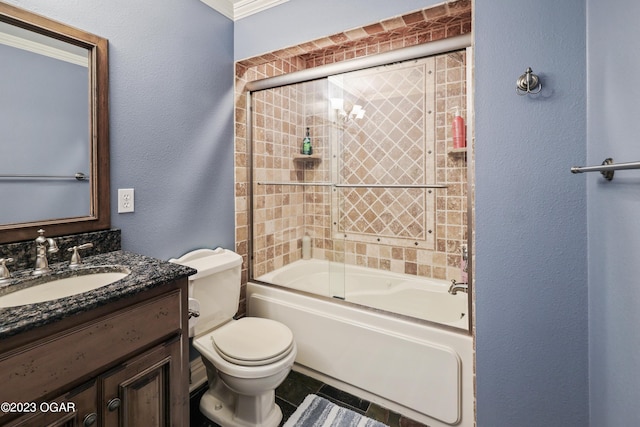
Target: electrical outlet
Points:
(125, 200)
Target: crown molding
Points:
(237, 9)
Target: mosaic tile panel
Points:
(393, 144)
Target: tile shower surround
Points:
(450, 232)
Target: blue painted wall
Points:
(614, 234)
(171, 117)
(531, 224)
(531, 230)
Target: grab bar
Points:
(79, 176)
(330, 184)
(302, 184)
(390, 185)
(607, 168)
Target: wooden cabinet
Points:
(76, 408)
(121, 366)
(138, 393)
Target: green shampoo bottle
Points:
(307, 149)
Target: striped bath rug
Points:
(316, 411)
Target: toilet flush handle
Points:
(193, 313)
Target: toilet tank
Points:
(215, 287)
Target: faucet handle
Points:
(53, 246)
(41, 240)
(76, 260)
(4, 271)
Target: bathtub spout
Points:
(455, 287)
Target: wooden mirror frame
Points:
(99, 213)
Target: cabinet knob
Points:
(90, 419)
(113, 404)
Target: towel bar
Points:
(607, 168)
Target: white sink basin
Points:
(60, 288)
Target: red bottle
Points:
(458, 130)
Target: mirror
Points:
(54, 162)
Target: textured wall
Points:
(171, 117)
(614, 235)
(531, 257)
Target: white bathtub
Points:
(422, 298)
(410, 366)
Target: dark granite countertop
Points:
(146, 273)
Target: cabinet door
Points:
(145, 390)
(77, 408)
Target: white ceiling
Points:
(236, 9)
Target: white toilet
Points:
(246, 359)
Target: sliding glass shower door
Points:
(291, 191)
(383, 189)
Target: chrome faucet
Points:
(42, 264)
(456, 287)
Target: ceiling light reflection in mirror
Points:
(20, 38)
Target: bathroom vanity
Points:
(115, 355)
(114, 350)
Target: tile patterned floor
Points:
(293, 391)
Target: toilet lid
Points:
(252, 341)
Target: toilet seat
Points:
(252, 341)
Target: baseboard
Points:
(197, 374)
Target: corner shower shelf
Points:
(315, 158)
(458, 150)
